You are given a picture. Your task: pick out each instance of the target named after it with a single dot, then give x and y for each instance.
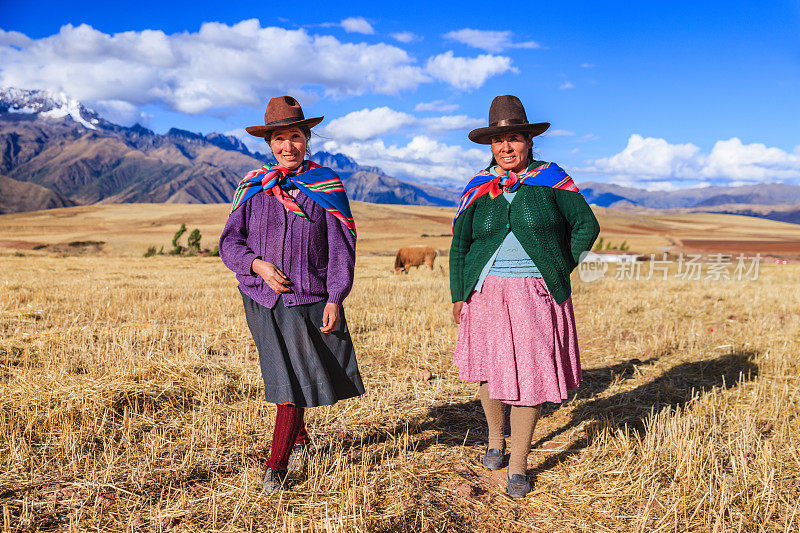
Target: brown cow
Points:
(414, 256)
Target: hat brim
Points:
(262, 131)
(484, 135)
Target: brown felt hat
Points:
(506, 114)
(282, 112)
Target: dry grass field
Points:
(129, 229)
(131, 400)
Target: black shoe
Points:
(273, 480)
(493, 458)
(297, 459)
(518, 486)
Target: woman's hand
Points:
(457, 311)
(272, 275)
(330, 317)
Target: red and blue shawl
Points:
(321, 184)
(484, 182)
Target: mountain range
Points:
(56, 152)
(774, 201)
(612, 195)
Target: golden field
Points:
(131, 398)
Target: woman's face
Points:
(289, 147)
(510, 150)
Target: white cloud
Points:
(423, 159)
(221, 66)
(587, 65)
(367, 124)
(491, 41)
(651, 158)
(357, 25)
(218, 66)
(452, 123)
(754, 162)
(559, 133)
(406, 37)
(467, 72)
(13, 38)
(120, 112)
(436, 105)
(652, 161)
(566, 85)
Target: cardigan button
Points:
(508, 226)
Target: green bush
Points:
(599, 245)
(194, 242)
(192, 247)
(177, 249)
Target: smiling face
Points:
(289, 146)
(510, 150)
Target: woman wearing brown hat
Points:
(293, 251)
(519, 231)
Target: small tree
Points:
(177, 249)
(194, 242)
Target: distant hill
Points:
(772, 201)
(63, 147)
(611, 195)
(16, 196)
(780, 213)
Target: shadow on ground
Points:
(463, 423)
(672, 390)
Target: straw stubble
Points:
(131, 400)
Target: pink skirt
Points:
(514, 336)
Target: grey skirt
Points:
(299, 363)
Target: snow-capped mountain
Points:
(48, 105)
(75, 156)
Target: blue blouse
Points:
(510, 260)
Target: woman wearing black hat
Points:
(290, 238)
(519, 231)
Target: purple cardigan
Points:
(318, 255)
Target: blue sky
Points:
(654, 94)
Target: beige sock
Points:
(495, 417)
(523, 421)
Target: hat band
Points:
(285, 121)
(507, 122)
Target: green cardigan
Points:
(554, 227)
